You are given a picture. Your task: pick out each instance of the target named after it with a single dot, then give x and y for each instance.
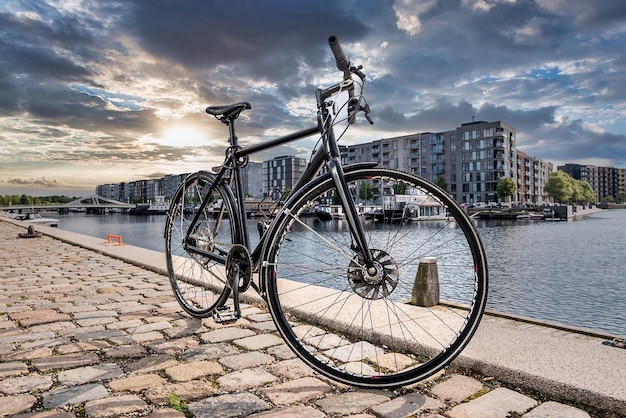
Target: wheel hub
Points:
(376, 281)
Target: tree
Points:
(366, 191)
(441, 182)
(399, 188)
(559, 186)
(588, 195)
(506, 188)
(577, 191)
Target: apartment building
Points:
(532, 174)
(471, 160)
(280, 174)
(252, 179)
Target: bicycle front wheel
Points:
(393, 322)
(199, 282)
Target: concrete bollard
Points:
(426, 287)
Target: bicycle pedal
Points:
(225, 315)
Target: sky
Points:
(105, 91)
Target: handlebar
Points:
(343, 63)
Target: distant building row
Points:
(471, 160)
(608, 183)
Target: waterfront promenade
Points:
(93, 330)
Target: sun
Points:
(182, 136)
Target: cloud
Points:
(103, 84)
(48, 183)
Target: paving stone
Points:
(123, 405)
(210, 352)
(173, 346)
(29, 354)
(353, 352)
(166, 413)
(267, 326)
(129, 324)
(225, 334)
(74, 395)
(96, 334)
(457, 388)
(187, 391)
(229, 405)
(190, 371)
(245, 379)
(79, 347)
(392, 361)
(95, 321)
(499, 403)
(326, 341)
(65, 361)
(125, 351)
(282, 352)
(15, 404)
(300, 411)
(406, 405)
(97, 373)
(137, 383)
(258, 342)
(47, 414)
(22, 384)
(552, 409)
(291, 369)
(152, 364)
(150, 327)
(299, 390)
(27, 336)
(147, 336)
(42, 316)
(246, 360)
(95, 313)
(351, 402)
(12, 368)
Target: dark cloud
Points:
(268, 38)
(105, 81)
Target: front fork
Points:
(360, 246)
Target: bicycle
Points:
(338, 290)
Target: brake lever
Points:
(358, 72)
(366, 112)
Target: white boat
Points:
(36, 219)
(328, 212)
(157, 207)
(529, 216)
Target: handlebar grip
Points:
(343, 63)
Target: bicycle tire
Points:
(357, 328)
(200, 285)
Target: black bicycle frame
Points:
(329, 155)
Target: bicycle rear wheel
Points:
(199, 283)
(363, 325)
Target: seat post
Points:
(232, 138)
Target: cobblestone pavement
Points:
(86, 335)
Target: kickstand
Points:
(230, 314)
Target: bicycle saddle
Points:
(230, 111)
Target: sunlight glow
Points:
(182, 136)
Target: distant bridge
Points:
(90, 202)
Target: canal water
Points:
(568, 272)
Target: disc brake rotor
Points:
(375, 282)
